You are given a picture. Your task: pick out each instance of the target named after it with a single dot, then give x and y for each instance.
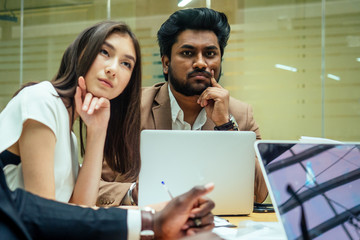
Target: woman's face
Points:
(111, 70)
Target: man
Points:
(27, 216)
(192, 44)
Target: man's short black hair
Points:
(193, 19)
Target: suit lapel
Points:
(162, 111)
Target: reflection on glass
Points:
(264, 33)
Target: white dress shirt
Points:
(177, 116)
(134, 224)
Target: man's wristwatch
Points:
(147, 224)
(231, 125)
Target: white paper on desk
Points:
(225, 232)
(306, 139)
(260, 231)
(221, 222)
(251, 230)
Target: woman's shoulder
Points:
(39, 99)
(41, 89)
(43, 92)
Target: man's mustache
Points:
(199, 71)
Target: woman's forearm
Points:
(87, 184)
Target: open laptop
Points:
(183, 159)
(325, 180)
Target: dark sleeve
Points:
(47, 219)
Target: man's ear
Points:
(165, 63)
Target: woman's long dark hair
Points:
(122, 144)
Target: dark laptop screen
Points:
(325, 179)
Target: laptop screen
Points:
(325, 179)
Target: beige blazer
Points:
(156, 114)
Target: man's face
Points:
(195, 54)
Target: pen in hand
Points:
(163, 183)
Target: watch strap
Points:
(147, 224)
(231, 125)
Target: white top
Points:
(177, 116)
(41, 102)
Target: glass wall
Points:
(297, 62)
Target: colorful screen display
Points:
(325, 179)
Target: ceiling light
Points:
(358, 59)
(284, 67)
(183, 3)
(337, 78)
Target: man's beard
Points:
(186, 88)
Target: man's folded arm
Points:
(46, 219)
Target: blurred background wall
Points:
(297, 62)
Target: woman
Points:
(99, 82)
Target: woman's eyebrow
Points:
(109, 45)
(130, 57)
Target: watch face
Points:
(235, 125)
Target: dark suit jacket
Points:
(11, 225)
(27, 216)
(156, 114)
